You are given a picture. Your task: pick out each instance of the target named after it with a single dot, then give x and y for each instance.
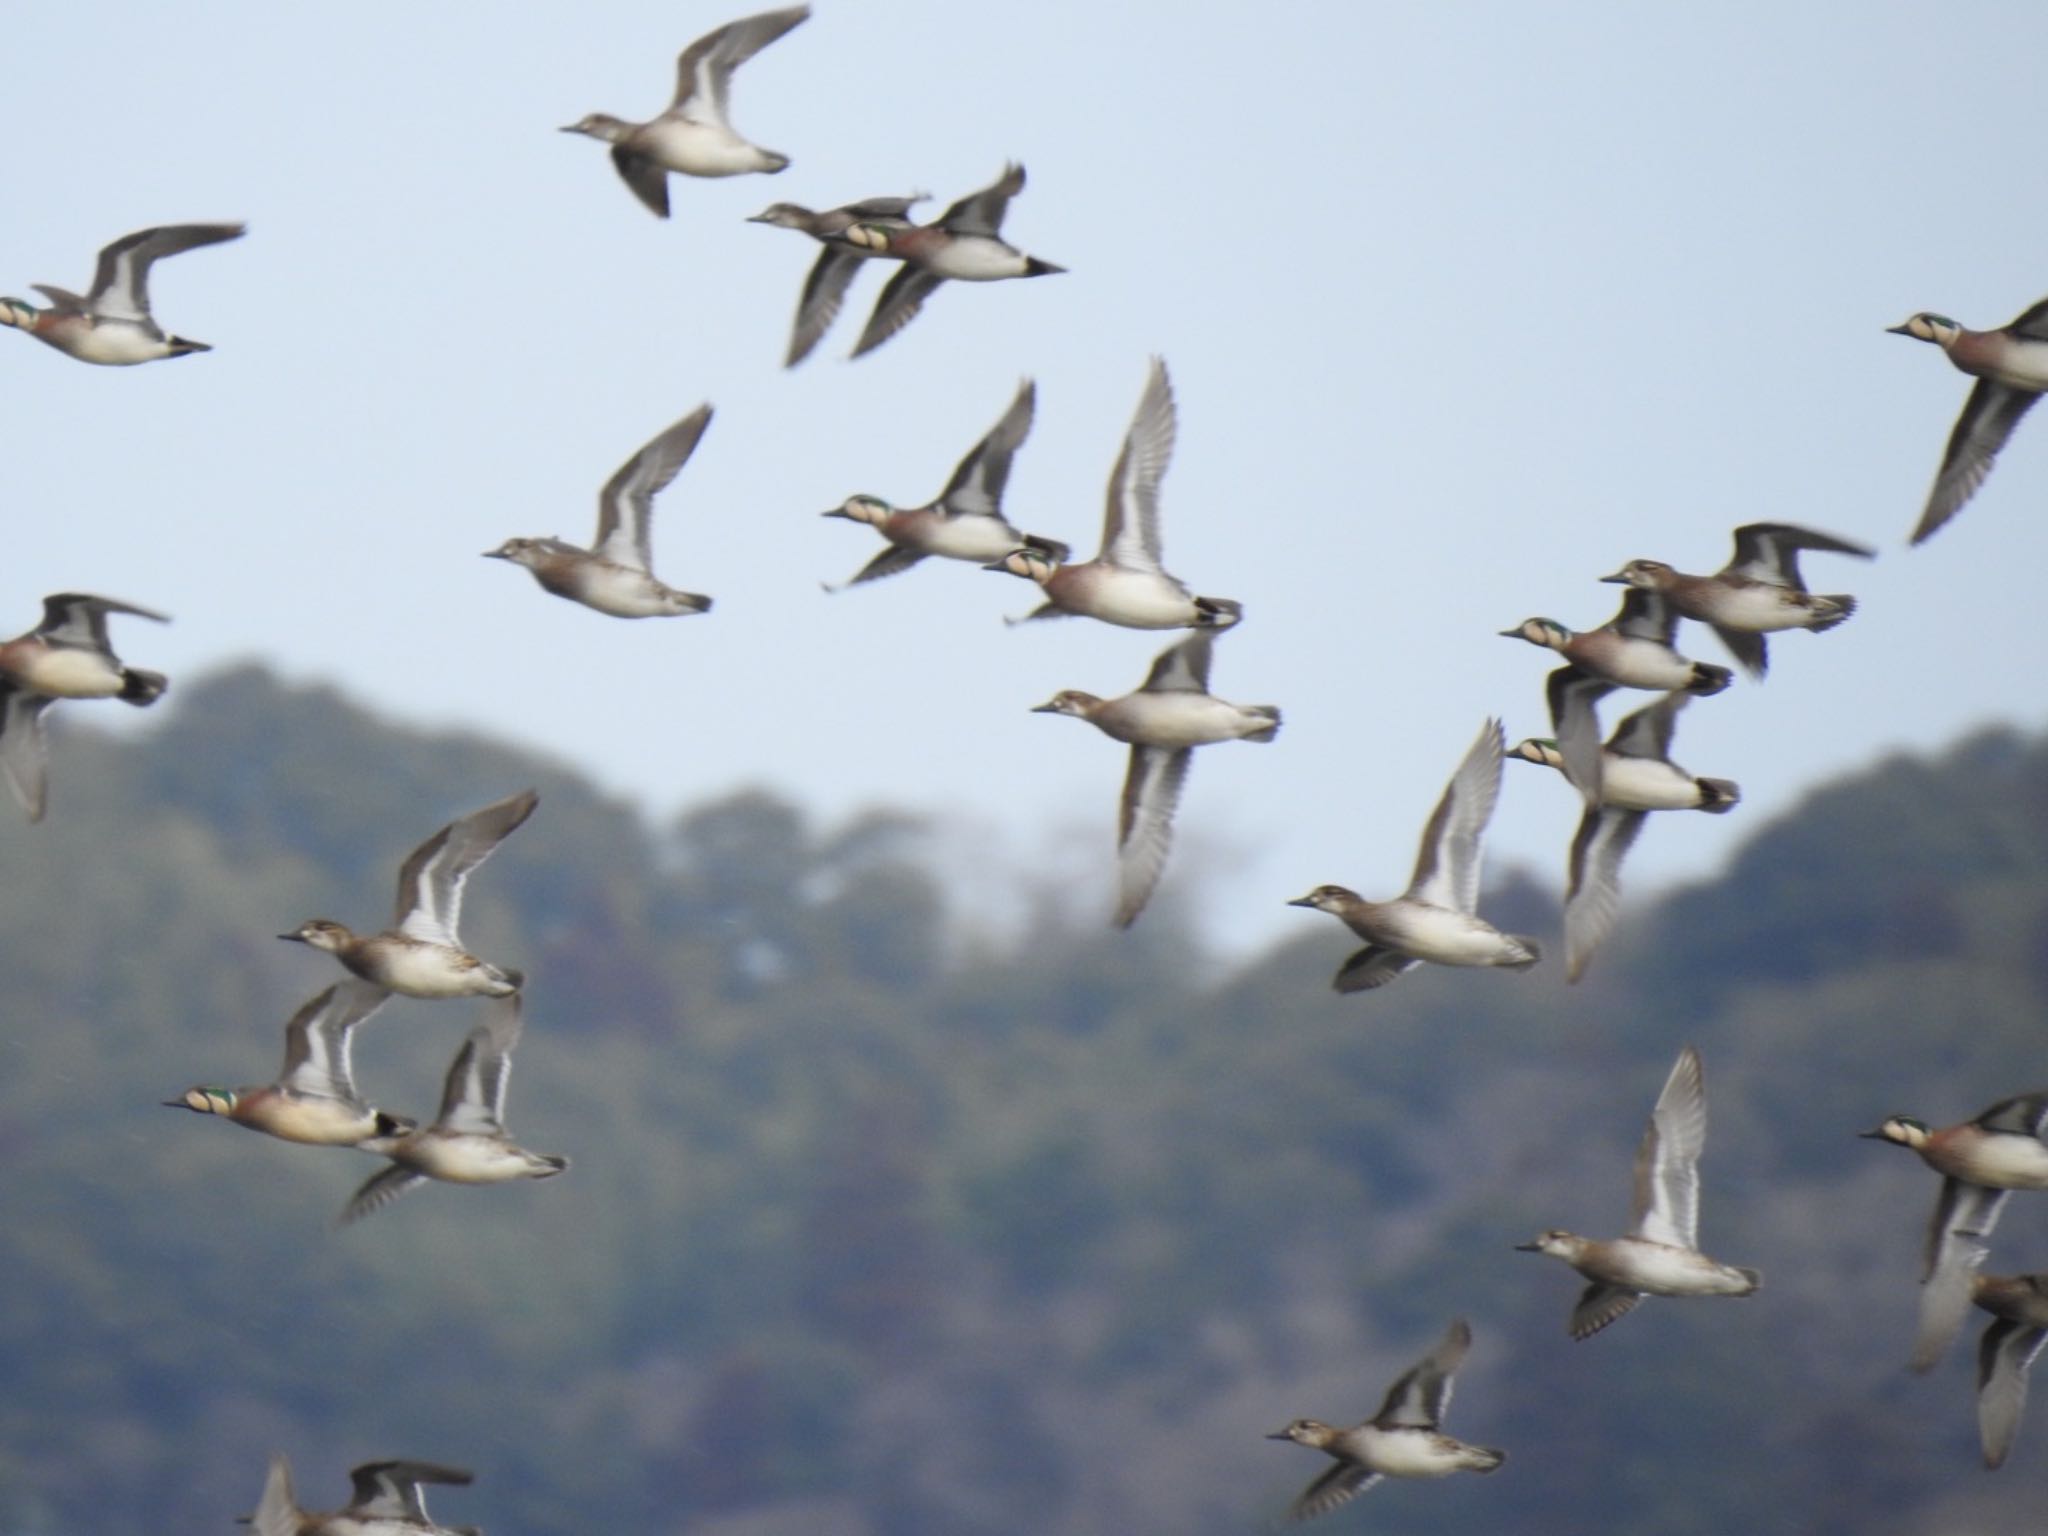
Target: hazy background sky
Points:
(1465, 306)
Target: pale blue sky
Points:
(1465, 306)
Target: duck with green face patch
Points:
(314, 1100)
(1981, 1161)
(1631, 650)
(111, 325)
(2010, 365)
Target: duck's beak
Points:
(1619, 578)
(293, 938)
(1302, 901)
(1047, 708)
(1877, 1135)
(1528, 1247)
(1898, 330)
(1510, 634)
(1282, 1435)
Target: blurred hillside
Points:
(881, 1227)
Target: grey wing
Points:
(648, 181)
(1593, 897)
(896, 558)
(1418, 1399)
(981, 213)
(1988, 419)
(1130, 523)
(1448, 863)
(316, 1041)
(390, 1490)
(1667, 1195)
(277, 1511)
(2004, 1356)
(1645, 615)
(61, 299)
(1600, 1304)
(882, 207)
(120, 288)
(901, 299)
(80, 618)
(1342, 1483)
(473, 1098)
(704, 69)
(976, 489)
(625, 507)
(430, 883)
(2024, 1114)
(24, 750)
(1572, 692)
(378, 1191)
(1647, 733)
(1371, 967)
(1182, 668)
(1770, 552)
(1749, 648)
(1152, 789)
(823, 294)
(1963, 1218)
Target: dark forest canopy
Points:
(880, 1227)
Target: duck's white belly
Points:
(2002, 1161)
(1645, 664)
(61, 672)
(1662, 1270)
(1645, 784)
(699, 149)
(624, 592)
(1178, 720)
(1407, 1452)
(2024, 365)
(975, 259)
(1441, 935)
(1760, 609)
(115, 343)
(313, 1122)
(467, 1159)
(430, 970)
(1134, 599)
(981, 539)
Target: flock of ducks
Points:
(315, 1101)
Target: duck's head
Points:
(1032, 564)
(321, 934)
(1538, 749)
(1313, 1433)
(863, 508)
(1650, 575)
(18, 312)
(1927, 326)
(1902, 1129)
(1557, 1242)
(1326, 898)
(600, 125)
(525, 552)
(205, 1101)
(1069, 701)
(1547, 633)
(784, 216)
